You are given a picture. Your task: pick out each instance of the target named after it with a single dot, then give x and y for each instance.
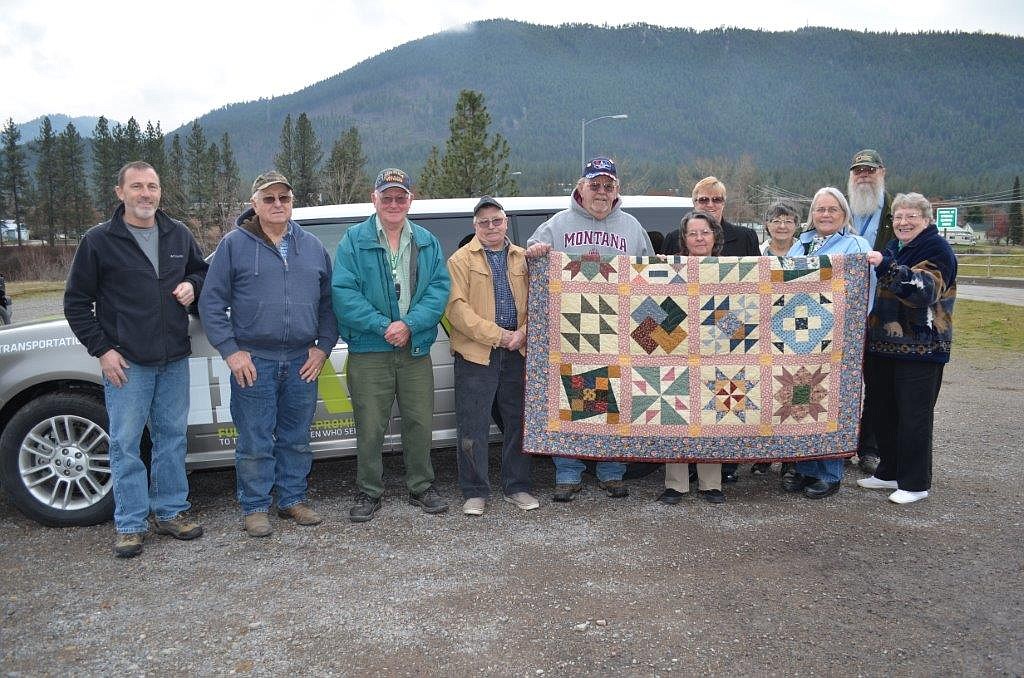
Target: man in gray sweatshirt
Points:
(594, 223)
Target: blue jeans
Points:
(273, 417)
(829, 470)
(499, 384)
(157, 395)
(569, 470)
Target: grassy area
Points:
(34, 288)
(984, 332)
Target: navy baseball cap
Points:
(392, 177)
(598, 166)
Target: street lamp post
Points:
(583, 134)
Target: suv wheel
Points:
(56, 460)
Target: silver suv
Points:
(54, 459)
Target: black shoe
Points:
(868, 463)
(670, 496)
(730, 477)
(429, 500)
(797, 482)
(788, 469)
(615, 488)
(364, 508)
(565, 492)
(819, 489)
(713, 496)
(760, 469)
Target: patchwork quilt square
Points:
(695, 359)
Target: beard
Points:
(865, 198)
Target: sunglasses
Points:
(864, 169)
(596, 186)
(704, 200)
(271, 199)
(396, 199)
(495, 222)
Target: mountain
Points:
(933, 103)
(84, 124)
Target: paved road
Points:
(1004, 295)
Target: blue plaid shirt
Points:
(504, 303)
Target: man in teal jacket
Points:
(390, 287)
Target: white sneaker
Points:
(873, 483)
(905, 497)
(523, 500)
(474, 506)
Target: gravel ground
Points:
(766, 584)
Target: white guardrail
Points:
(990, 261)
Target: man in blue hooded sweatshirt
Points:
(275, 279)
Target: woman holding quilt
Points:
(830, 233)
(910, 331)
(700, 235)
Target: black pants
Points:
(899, 403)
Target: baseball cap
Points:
(392, 177)
(487, 201)
(269, 179)
(868, 157)
(598, 166)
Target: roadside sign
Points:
(945, 217)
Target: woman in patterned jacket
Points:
(910, 331)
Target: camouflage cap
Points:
(269, 179)
(869, 157)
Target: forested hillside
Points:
(948, 103)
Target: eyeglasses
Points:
(596, 186)
(699, 234)
(271, 199)
(494, 221)
(704, 200)
(782, 222)
(828, 210)
(897, 218)
(864, 169)
(396, 199)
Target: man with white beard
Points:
(872, 219)
(870, 204)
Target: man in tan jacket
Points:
(487, 312)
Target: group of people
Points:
(274, 305)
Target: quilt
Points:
(695, 358)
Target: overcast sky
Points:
(175, 61)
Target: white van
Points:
(54, 460)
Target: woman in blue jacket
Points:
(831, 232)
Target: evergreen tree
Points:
(228, 185)
(47, 179)
(427, 186)
(197, 187)
(76, 213)
(284, 161)
(1016, 217)
(230, 178)
(153, 148)
(306, 163)
(15, 176)
(173, 198)
(344, 178)
(105, 166)
(471, 165)
(129, 140)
